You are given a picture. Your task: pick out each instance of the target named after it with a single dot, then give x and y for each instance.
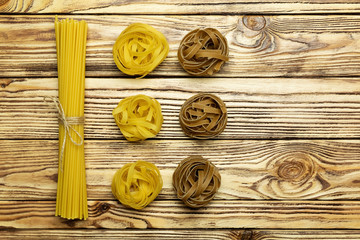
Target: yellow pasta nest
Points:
(139, 49)
(137, 184)
(138, 117)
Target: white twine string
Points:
(68, 123)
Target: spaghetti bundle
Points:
(139, 49)
(137, 184)
(71, 201)
(138, 117)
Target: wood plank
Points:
(173, 214)
(325, 234)
(327, 170)
(217, 234)
(181, 6)
(260, 46)
(126, 234)
(257, 107)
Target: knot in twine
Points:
(68, 123)
(203, 116)
(196, 180)
(202, 52)
(137, 184)
(138, 117)
(139, 49)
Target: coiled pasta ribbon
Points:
(138, 117)
(139, 49)
(196, 180)
(202, 52)
(137, 184)
(203, 116)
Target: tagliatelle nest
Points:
(202, 52)
(196, 180)
(139, 49)
(203, 116)
(138, 117)
(137, 184)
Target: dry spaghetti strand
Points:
(137, 184)
(139, 49)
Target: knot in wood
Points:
(252, 34)
(203, 116)
(202, 52)
(291, 170)
(104, 207)
(294, 173)
(255, 23)
(196, 180)
(295, 168)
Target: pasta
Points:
(138, 117)
(196, 180)
(71, 200)
(137, 184)
(202, 52)
(139, 49)
(203, 116)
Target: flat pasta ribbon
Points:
(196, 180)
(138, 117)
(139, 49)
(137, 184)
(202, 52)
(203, 116)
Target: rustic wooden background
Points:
(289, 157)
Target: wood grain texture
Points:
(218, 234)
(172, 214)
(325, 234)
(326, 170)
(257, 107)
(292, 79)
(180, 6)
(127, 234)
(269, 46)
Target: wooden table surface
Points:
(289, 157)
